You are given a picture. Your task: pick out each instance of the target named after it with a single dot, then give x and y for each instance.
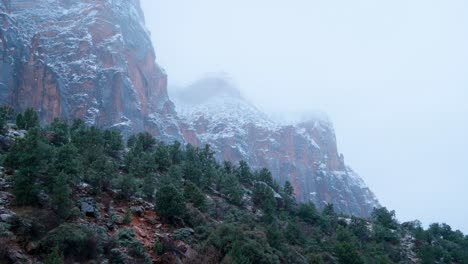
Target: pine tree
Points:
(29, 119)
(162, 158)
(66, 161)
(61, 195)
(5, 114)
(31, 157)
(244, 174)
(288, 189)
(231, 187)
(193, 194)
(308, 213)
(170, 204)
(113, 143)
(60, 132)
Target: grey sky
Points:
(392, 75)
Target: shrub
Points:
(117, 256)
(348, 254)
(127, 238)
(55, 257)
(158, 247)
(127, 217)
(74, 240)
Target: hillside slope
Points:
(94, 60)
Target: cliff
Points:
(94, 60)
(84, 59)
(305, 153)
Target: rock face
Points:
(305, 153)
(84, 59)
(93, 59)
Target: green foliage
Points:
(174, 176)
(170, 204)
(288, 189)
(158, 247)
(231, 187)
(264, 197)
(308, 212)
(113, 143)
(30, 156)
(29, 119)
(384, 217)
(194, 195)
(127, 219)
(274, 236)
(244, 173)
(347, 253)
(127, 238)
(60, 195)
(55, 257)
(294, 234)
(60, 132)
(162, 158)
(264, 175)
(127, 185)
(77, 241)
(66, 162)
(56, 159)
(5, 115)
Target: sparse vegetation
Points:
(227, 213)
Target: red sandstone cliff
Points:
(305, 153)
(84, 59)
(94, 60)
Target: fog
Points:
(392, 76)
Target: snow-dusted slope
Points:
(84, 59)
(94, 60)
(214, 112)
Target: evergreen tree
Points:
(263, 197)
(193, 194)
(60, 132)
(170, 204)
(264, 175)
(274, 236)
(66, 161)
(175, 153)
(174, 176)
(288, 189)
(308, 212)
(244, 174)
(29, 119)
(113, 143)
(347, 253)
(149, 184)
(61, 195)
(31, 157)
(5, 114)
(384, 217)
(231, 187)
(162, 158)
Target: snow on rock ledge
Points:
(305, 153)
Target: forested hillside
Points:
(72, 193)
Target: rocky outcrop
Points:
(94, 60)
(84, 59)
(304, 153)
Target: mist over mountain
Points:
(100, 163)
